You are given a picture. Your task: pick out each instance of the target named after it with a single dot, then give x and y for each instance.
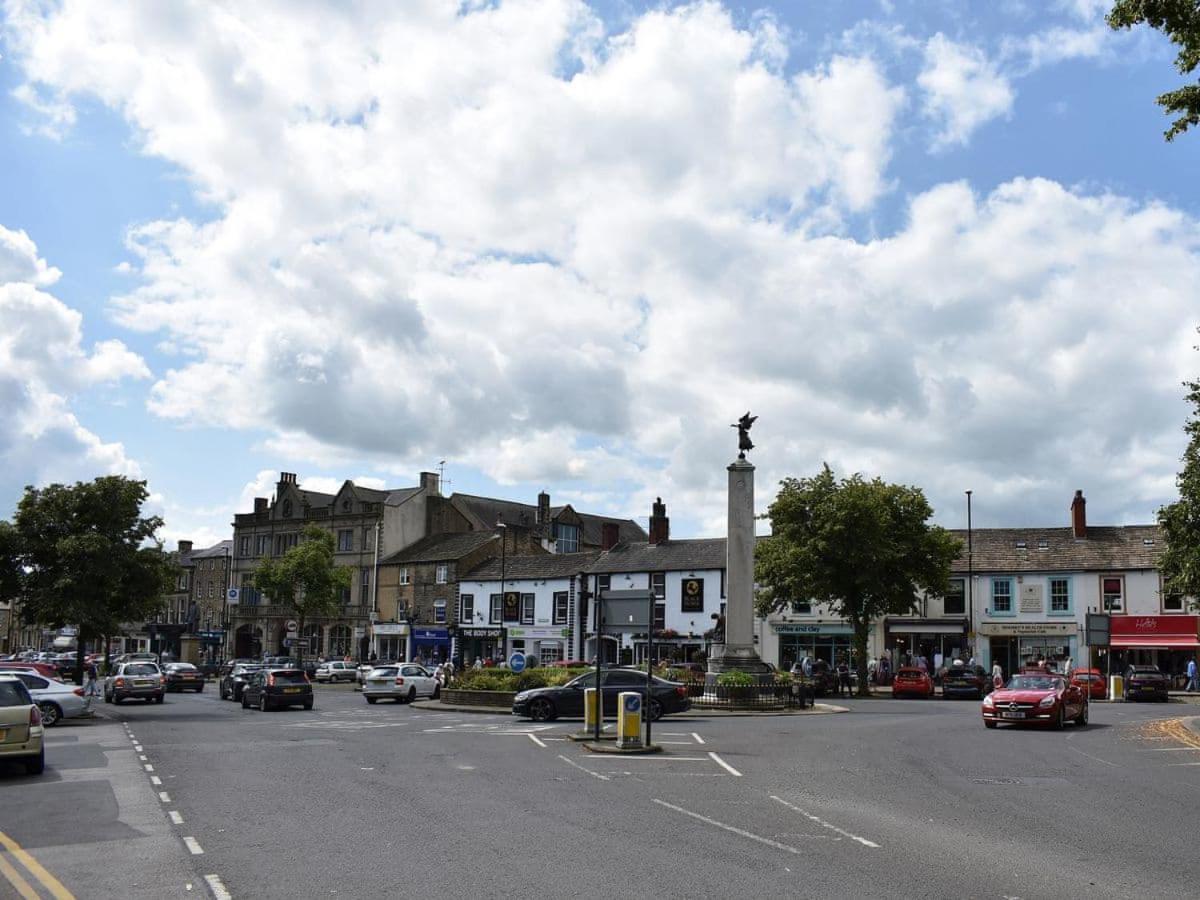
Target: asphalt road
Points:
(894, 799)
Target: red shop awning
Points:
(1161, 642)
(1156, 632)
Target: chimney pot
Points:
(1079, 516)
(185, 546)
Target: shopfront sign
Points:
(431, 634)
(387, 628)
(535, 633)
(794, 628)
(1006, 629)
(1166, 631)
(487, 634)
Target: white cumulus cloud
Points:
(962, 88)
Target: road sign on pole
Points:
(232, 596)
(292, 625)
(516, 662)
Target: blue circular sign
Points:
(516, 662)
(633, 702)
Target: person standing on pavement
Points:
(997, 675)
(92, 688)
(1191, 675)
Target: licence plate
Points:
(292, 690)
(1012, 715)
(143, 683)
(380, 681)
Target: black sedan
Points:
(965, 681)
(183, 677)
(1145, 682)
(269, 689)
(544, 704)
(233, 682)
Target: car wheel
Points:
(200, 690)
(36, 765)
(263, 706)
(1082, 718)
(1061, 721)
(987, 724)
(372, 699)
(412, 694)
(541, 710)
(654, 710)
(51, 714)
(245, 705)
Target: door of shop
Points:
(1004, 650)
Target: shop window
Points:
(439, 612)
(548, 654)
(561, 601)
(1112, 593)
(466, 608)
(339, 640)
(1060, 595)
(1172, 602)
(1002, 602)
(527, 605)
(345, 540)
(955, 601)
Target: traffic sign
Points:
(232, 595)
(516, 662)
(292, 625)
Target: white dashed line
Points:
(137, 747)
(176, 818)
(824, 824)
(148, 767)
(164, 796)
(536, 740)
(142, 757)
(193, 846)
(217, 888)
(731, 828)
(571, 762)
(155, 780)
(699, 740)
(724, 765)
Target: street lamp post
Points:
(970, 581)
(503, 529)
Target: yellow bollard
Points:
(589, 709)
(629, 720)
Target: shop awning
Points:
(1156, 632)
(926, 626)
(1158, 642)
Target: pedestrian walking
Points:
(997, 676)
(92, 688)
(1191, 675)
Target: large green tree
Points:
(305, 579)
(1179, 20)
(1180, 521)
(85, 555)
(863, 547)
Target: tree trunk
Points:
(862, 630)
(80, 636)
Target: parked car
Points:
(41, 668)
(822, 681)
(57, 701)
(1143, 682)
(1092, 681)
(22, 735)
(965, 681)
(142, 680)
(183, 677)
(912, 682)
(1036, 699)
(269, 689)
(547, 703)
(234, 681)
(136, 657)
(400, 682)
(336, 671)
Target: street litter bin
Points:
(1116, 687)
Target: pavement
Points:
(910, 798)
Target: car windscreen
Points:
(389, 672)
(246, 670)
(13, 693)
(289, 676)
(141, 669)
(181, 667)
(1144, 670)
(1034, 683)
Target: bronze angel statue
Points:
(743, 426)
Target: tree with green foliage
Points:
(1179, 20)
(305, 579)
(1180, 521)
(84, 555)
(863, 547)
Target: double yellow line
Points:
(14, 877)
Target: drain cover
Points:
(996, 781)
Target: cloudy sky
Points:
(562, 245)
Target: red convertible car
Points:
(1036, 699)
(912, 682)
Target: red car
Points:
(44, 669)
(1036, 698)
(912, 682)
(1091, 681)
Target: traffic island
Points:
(614, 750)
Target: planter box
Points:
(499, 699)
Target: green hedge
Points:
(504, 680)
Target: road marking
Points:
(217, 888)
(824, 824)
(194, 846)
(665, 758)
(571, 762)
(699, 740)
(1168, 749)
(724, 765)
(137, 747)
(142, 757)
(155, 780)
(164, 796)
(536, 740)
(731, 829)
(176, 818)
(148, 767)
(1096, 758)
(16, 880)
(35, 868)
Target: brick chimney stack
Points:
(1079, 516)
(660, 525)
(431, 484)
(260, 505)
(185, 547)
(610, 535)
(543, 513)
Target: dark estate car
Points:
(269, 689)
(1143, 682)
(234, 678)
(183, 677)
(965, 681)
(544, 704)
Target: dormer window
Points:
(1043, 545)
(1021, 545)
(1147, 542)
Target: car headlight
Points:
(989, 700)
(524, 695)
(1048, 701)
